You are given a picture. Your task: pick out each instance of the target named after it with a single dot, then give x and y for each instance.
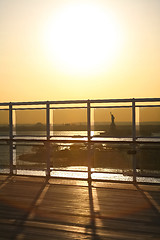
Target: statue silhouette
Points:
(112, 118)
(112, 125)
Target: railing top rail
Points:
(125, 100)
(147, 99)
(82, 101)
(44, 102)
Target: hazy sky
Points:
(75, 49)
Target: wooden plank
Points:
(36, 208)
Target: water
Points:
(71, 171)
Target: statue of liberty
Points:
(112, 125)
(112, 119)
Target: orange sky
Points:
(54, 50)
(65, 116)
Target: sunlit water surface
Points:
(79, 171)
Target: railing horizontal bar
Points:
(4, 104)
(22, 103)
(68, 136)
(67, 107)
(111, 106)
(125, 100)
(29, 145)
(35, 136)
(111, 100)
(125, 174)
(52, 136)
(83, 141)
(68, 102)
(93, 107)
(32, 138)
(147, 106)
(85, 171)
(68, 170)
(29, 108)
(147, 99)
(41, 143)
(139, 137)
(50, 102)
(114, 106)
(81, 101)
(45, 108)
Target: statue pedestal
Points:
(112, 128)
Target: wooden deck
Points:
(36, 208)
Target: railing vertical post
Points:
(134, 139)
(48, 138)
(89, 138)
(11, 137)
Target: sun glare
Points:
(82, 38)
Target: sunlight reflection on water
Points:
(73, 172)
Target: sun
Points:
(82, 38)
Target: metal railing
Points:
(89, 140)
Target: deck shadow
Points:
(14, 208)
